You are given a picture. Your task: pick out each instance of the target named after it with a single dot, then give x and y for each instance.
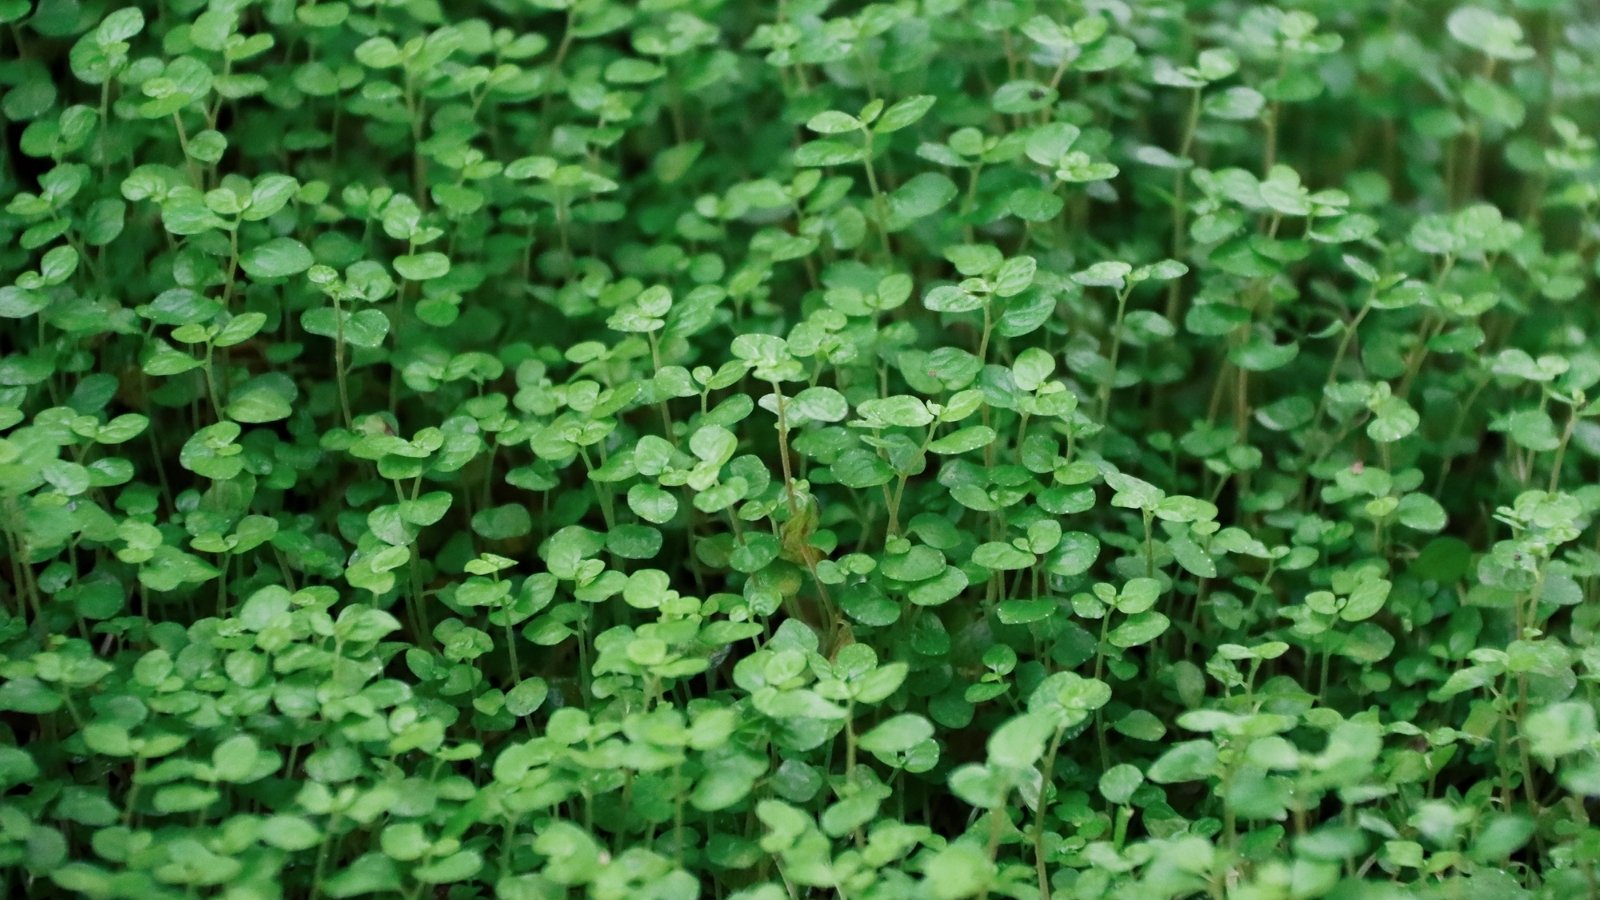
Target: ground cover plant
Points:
(713, 448)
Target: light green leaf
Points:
(277, 258)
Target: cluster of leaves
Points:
(679, 448)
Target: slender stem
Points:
(988, 328)
(602, 491)
(130, 803)
(968, 201)
(105, 131)
(1149, 547)
(661, 405)
(511, 650)
(879, 214)
(338, 361)
(680, 795)
(211, 381)
(555, 63)
(1462, 412)
(233, 264)
(416, 109)
(1561, 449)
(1466, 175)
(1180, 209)
(1119, 832)
(849, 743)
(783, 451)
(323, 852)
(900, 486)
(183, 144)
(1269, 156)
(1109, 384)
(222, 586)
(1047, 778)
(1099, 670)
(992, 850)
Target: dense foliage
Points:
(675, 448)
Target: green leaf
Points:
(458, 866)
(1133, 493)
(1561, 729)
(963, 440)
(833, 122)
(367, 328)
(1023, 612)
(289, 832)
(713, 444)
(1488, 32)
(1258, 354)
(652, 504)
(952, 299)
(371, 873)
(1014, 276)
(1139, 630)
(821, 404)
(1187, 761)
(1421, 512)
(827, 153)
(1366, 600)
(1076, 552)
(276, 258)
(922, 195)
(1393, 419)
(1104, 274)
(901, 411)
(1002, 557)
(903, 113)
(1019, 742)
(422, 266)
(236, 759)
(958, 870)
(19, 303)
(527, 696)
(897, 734)
(1118, 783)
(501, 523)
(940, 590)
(1022, 96)
(239, 329)
(877, 685)
(265, 398)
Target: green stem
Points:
(338, 361)
(1180, 209)
(188, 161)
(511, 651)
(783, 451)
(992, 850)
(1269, 156)
(1149, 546)
(1045, 783)
(105, 131)
(970, 200)
(1345, 340)
(1115, 353)
(879, 215)
(1561, 449)
(324, 851)
(988, 329)
(130, 804)
(211, 381)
